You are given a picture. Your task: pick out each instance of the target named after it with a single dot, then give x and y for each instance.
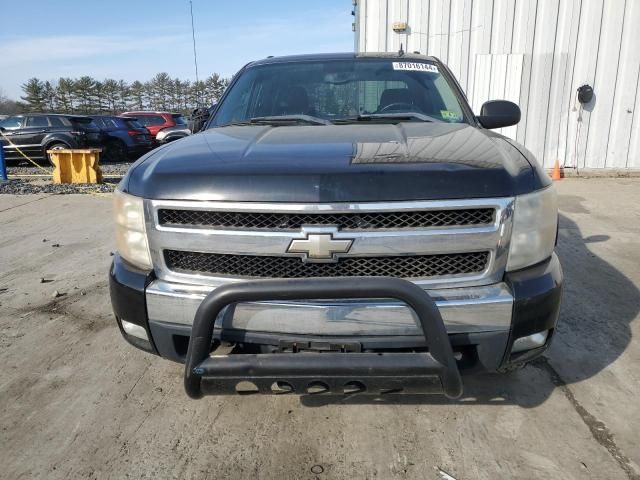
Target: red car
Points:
(156, 121)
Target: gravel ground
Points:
(20, 186)
(119, 168)
(20, 182)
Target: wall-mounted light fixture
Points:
(585, 94)
(400, 27)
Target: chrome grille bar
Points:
(491, 238)
(253, 266)
(347, 221)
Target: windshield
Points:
(12, 122)
(341, 90)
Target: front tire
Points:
(55, 146)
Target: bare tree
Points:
(9, 107)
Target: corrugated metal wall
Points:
(536, 53)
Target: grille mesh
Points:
(346, 221)
(253, 266)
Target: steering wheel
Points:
(400, 106)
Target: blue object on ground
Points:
(3, 165)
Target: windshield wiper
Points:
(311, 120)
(407, 116)
(277, 119)
(239, 123)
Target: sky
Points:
(134, 40)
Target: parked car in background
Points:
(123, 137)
(156, 121)
(170, 134)
(35, 133)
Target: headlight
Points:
(131, 237)
(535, 222)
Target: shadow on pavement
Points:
(599, 303)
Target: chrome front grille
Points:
(275, 221)
(254, 266)
(433, 243)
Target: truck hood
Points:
(345, 163)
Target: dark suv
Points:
(123, 137)
(35, 133)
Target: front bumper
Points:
(482, 322)
(209, 373)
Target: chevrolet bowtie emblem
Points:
(319, 247)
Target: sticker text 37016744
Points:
(415, 67)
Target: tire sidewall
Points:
(54, 146)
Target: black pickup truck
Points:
(344, 224)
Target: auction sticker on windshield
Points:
(415, 67)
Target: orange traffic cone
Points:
(555, 174)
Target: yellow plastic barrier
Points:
(76, 166)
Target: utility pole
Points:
(195, 55)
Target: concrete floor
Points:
(78, 402)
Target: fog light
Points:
(134, 330)
(530, 342)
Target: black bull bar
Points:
(434, 371)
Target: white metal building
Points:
(535, 53)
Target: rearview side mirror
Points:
(499, 113)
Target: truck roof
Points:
(341, 56)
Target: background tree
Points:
(86, 95)
(34, 96)
(124, 96)
(9, 107)
(84, 91)
(160, 90)
(64, 95)
(49, 94)
(137, 92)
(111, 95)
(98, 102)
(150, 101)
(181, 94)
(196, 96)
